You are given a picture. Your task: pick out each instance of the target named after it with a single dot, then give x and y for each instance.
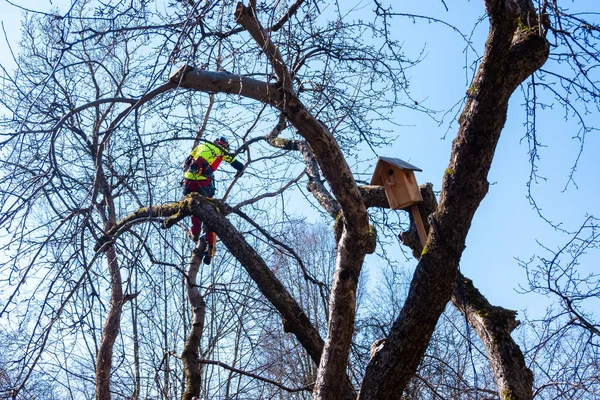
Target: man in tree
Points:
(199, 168)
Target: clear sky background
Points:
(505, 226)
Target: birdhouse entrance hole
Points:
(390, 180)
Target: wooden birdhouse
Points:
(401, 188)
(398, 179)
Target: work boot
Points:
(209, 254)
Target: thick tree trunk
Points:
(342, 306)
(332, 380)
(504, 66)
(189, 356)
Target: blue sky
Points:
(505, 226)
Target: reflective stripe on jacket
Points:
(213, 155)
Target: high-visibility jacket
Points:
(207, 157)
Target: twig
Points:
(307, 388)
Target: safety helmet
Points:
(222, 141)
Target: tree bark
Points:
(190, 354)
(293, 317)
(493, 325)
(509, 58)
(342, 306)
(355, 244)
(111, 327)
(504, 66)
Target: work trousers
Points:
(204, 188)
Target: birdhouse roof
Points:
(399, 163)
(396, 162)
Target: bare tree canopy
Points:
(104, 293)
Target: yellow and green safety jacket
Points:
(207, 157)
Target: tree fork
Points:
(502, 69)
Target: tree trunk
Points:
(331, 379)
(494, 325)
(111, 327)
(510, 57)
(342, 307)
(136, 341)
(504, 66)
(189, 356)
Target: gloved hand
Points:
(239, 173)
(194, 168)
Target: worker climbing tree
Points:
(198, 177)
